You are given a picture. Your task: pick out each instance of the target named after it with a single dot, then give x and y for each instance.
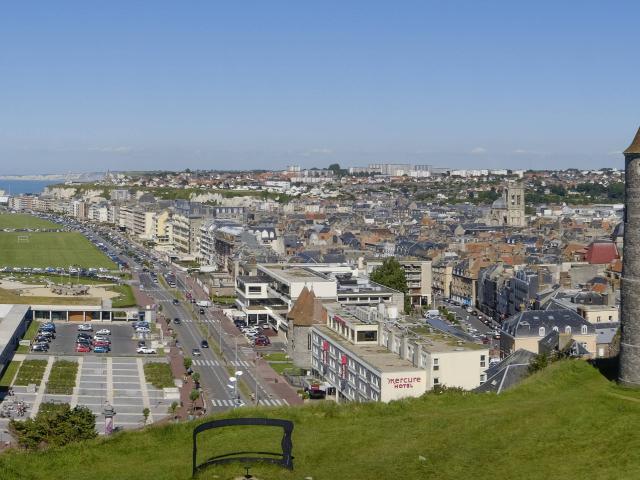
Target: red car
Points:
(262, 341)
(82, 348)
(100, 343)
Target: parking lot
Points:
(118, 380)
(124, 340)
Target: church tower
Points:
(515, 205)
(630, 341)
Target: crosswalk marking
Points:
(269, 402)
(215, 363)
(206, 363)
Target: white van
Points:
(432, 313)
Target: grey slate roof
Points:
(527, 324)
(508, 373)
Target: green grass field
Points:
(48, 249)
(126, 298)
(20, 220)
(62, 378)
(158, 374)
(565, 422)
(31, 371)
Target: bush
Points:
(55, 425)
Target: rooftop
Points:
(635, 145)
(293, 274)
(376, 356)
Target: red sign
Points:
(403, 382)
(343, 360)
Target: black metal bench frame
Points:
(284, 459)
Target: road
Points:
(214, 371)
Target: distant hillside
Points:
(565, 422)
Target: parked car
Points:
(46, 333)
(81, 348)
(49, 326)
(102, 338)
(145, 350)
(176, 301)
(143, 330)
(204, 344)
(41, 339)
(85, 327)
(104, 331)
(100, 343)
(202, 311)
(262, 341)
(196, 352)
(101, 349)
(39, 347)
(142, 343)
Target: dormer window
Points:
(567, 330)
(584, 330)
(541, 331)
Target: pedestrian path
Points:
(269, 402)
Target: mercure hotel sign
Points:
(404, 382)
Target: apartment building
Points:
(367, 356)
(419, 278)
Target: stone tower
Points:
(515, 205)
(630, 341)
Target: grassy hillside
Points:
(565, 422)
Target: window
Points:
(436, 381)
(541, 331)
(436, 368)
(483, 360)
(584, 329)
(367, 336)
(598, 318)
(483, 378)
(255, 289)
(435, 361)
(567, 330)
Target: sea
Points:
(17, 187)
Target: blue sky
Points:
(90, 86)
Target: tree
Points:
(187, 362)
(391, 274)
(193, 396)
(196, 378)
(173, 408)
(145, 414)
(55, 425)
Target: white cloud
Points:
(520, 150)
(478, 150)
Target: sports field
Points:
(50, 249)
(20, 220)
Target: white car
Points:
(103, 331)
(85, 327)
(146, 350)
(143, 330)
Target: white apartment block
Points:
(366, 357)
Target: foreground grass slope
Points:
(565, 422)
